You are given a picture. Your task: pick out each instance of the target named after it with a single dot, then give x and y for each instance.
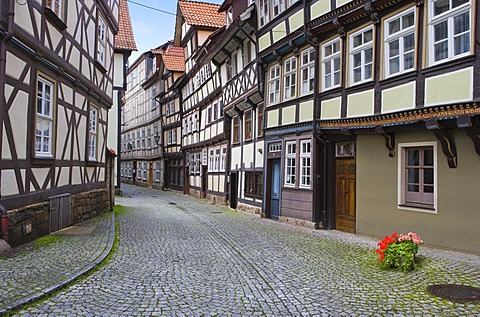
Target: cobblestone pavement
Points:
(38, 269)
(178, 256)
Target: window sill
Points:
(419, 208)
(53, 18)
(43, 161)
(100, 67)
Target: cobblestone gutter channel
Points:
(32, 273)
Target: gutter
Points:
(3, 66)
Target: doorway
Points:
(233, 190)
(345, 171)
(275, 189)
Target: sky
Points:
(153, 28)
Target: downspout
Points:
(3, 65)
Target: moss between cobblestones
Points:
(118, 210)
(46, 241)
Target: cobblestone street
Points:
(179, 256)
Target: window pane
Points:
(393, 48)
(428, 176)
(428, 189)
(368, 55)
(394, 26)
(413, 176)
(408, 20)
(461, 23)
(368, 36)
(413, 188)
(441, 6)
(408, 61)
(441, 51)
(357, 74)
(336, 78)
(328, 81)
(328, 50)
(336, 64)
(357, 40)
(336, 46)
(394, 65)
(413, 157)
(357, 60)
(368, 71)
(409, 42)
(440, 31)
(456, 3)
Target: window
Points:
(278, 6)
(264, 12)
(210, 161)
(417, 168)
(198, 163)
(331, 64)
(223, 158)
(236, 129)
(305, 163)
(253, 185)
(56, 6)
(449, 27)
(260, 119)
(44, 117)
(274, 85)
(215, 111)
(145, 167)
(290, 163)
(209, 114)
(307, 70)
(157, 172)
(290, 78)
(101, 40)
(248, 125)
(216, 161)
(361, 56)
(400, 43)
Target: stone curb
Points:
(99, 256)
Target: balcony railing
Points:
(240, 84)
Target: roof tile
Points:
(125, 39)
(174, 59)
(202, 14)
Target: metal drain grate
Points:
(456, 293)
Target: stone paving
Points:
(35, 270)
(178, 256)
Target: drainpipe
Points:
(3, 63)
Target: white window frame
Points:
(402, 147)
(92, 133)
(330, 60)
(279, 5)
(44, 117)
(400, 36)
(305, 164)
(274, 84)
(223, 158)
(290, 163)
(290, 76)
(210, 160)
(264, 12)
(216, 160)
(449, 17)
(101, 40)
(308, 65)
(361, 49)
(51, 5)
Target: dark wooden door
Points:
(345, 195)
(233, 190)
(186, 177)
(150, 175)
(275, 189)
(203, 193)
(60, 212)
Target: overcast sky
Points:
(153, 28)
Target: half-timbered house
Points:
(173, 61)
(142, 162)
(235, 54)
(395, 143)
(288, 56)
(124, 45)
(204, 141)
(56, 73)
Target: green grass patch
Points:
(46, 241)
(120, 210)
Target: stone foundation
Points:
(217, 200)
(250, 209)
(298, 222)
(33, 221)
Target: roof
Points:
(125, 39)
(202, 14)
(174, 59)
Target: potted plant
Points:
(398, 251)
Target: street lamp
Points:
(157, 139)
